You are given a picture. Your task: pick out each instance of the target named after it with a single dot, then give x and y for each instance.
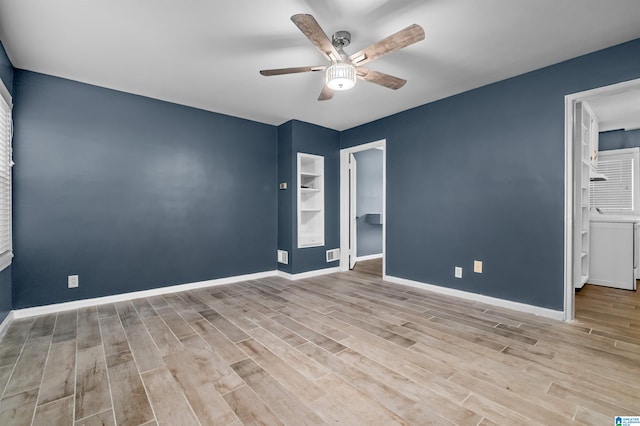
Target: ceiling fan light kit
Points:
(341, 76)
(344, 70)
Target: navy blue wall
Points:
(619, 139)
(6, 75)
(286, 197)
(133, 193)
(480, 176)
(5, 293)
(368, 200)
(312, 139)
(296, 136)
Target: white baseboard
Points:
(516, 306)
(310, 274)
(59, 307)
(369, 257)
(75, 304)
(4, 326)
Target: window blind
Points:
(616, 193)
(5, 182)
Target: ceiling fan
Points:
(344, 69)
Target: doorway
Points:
(363, 207)
(575, 202)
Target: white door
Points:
(353, 224)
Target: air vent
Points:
(283, 257)
(333, 255)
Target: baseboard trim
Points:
(503, 303)
(4, 326)
(309, 274)
(75, 304)
(369, 257)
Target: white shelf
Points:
(310, 187)
(586, 132)
(311, 240)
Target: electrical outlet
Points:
(72, 281)
(477, 266)
(458, 272)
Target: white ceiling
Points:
(207, 53)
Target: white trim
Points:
(4, 92)
(569, 102)
(353, 210)
(58, 307)
(5, 260)
(516, 306)
(370, 257)
(568, 210)
(344, 200)
(4, 326)
(309, 274)
(344, 210)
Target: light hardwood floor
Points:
(344, 348)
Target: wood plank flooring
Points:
(342, 348)
(369, 267)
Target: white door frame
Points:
(353, 210)
(569, 149)
(344, 201)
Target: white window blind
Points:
(616, 194)
(5, 183)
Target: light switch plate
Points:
(477, 266)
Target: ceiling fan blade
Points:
(310, 27)
(326, 93)
(280, 71)
(403, 38)
(380, 78)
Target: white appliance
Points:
(613, 241)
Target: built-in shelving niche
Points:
(310, 200)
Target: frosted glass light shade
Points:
(341, 76)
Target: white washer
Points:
(613, 251)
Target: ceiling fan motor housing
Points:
(341, 39)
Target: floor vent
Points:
(333, 255)
(283, 257)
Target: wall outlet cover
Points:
(458, 272)
(72, 281)
(477, 266)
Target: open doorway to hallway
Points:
(363, 207)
